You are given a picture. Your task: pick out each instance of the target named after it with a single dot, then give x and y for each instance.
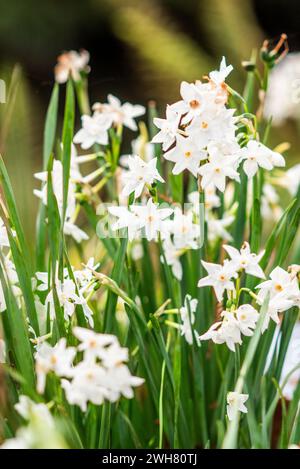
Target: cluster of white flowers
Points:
(69, 291)
(71, 64)
(40, 431)
(234, 323)
(283, 290)
(221, 276)
(199, 135)
(95, 128)
(100, 375)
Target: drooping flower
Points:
(235, 404)
(219, 277)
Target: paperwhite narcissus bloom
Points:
(168, 128)
(192, 103)
(187, 314)
(185, 232)
(218, 76)
(139, 174)
(94, 130)
(126, 219)
(221, 164)
(29, 409)
(172, 255)
(211, 126)
(72, 230)
(85, 276)
(68, 298)
(235, 404)
(247, 317)
(120, 114)
(216, 228)
(283, 289)
(258, 155)
(151, 218)
(185, 155)
(225, 331)
(92, 344)
(246, 260)
(58, 359)
(70, 64)
(101, 374)
(219, 277)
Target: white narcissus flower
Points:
(85, 276)
(212, 126)
(281, 282)
(94, 130)
(246, 260)
(139, 174)
(187, 314)
(126, 219)
(218, 76)
(70, 64)
(72, 230)
(68, 298)
(216, 228)
(87, 385)
(192, 103)
(185, 232)
(58, 359)
(235, 404)
(221, 164)
(92, 343)
(226, 331)
(57, 184)
(168, 128)
(219, 277)
(120, 114)
(185, 155)
(247, 317)
(258, 155)
(29, 409)
(172, 254)
(151, 218)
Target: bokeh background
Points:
(140, 50)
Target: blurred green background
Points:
(140, 50)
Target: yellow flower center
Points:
(194, 104)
